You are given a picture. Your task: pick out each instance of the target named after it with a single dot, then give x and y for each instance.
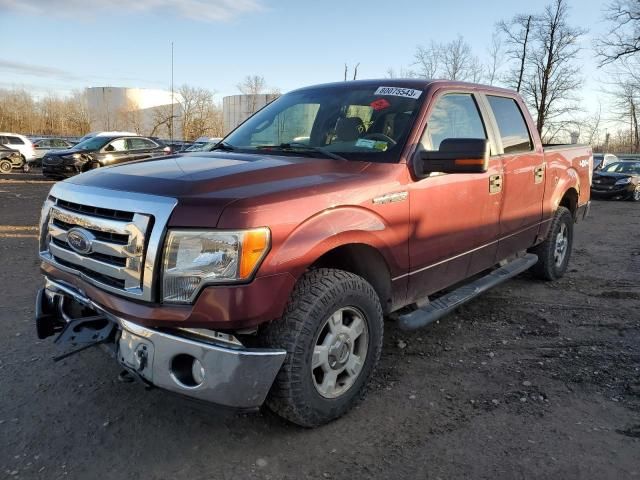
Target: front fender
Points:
(337, 227)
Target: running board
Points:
(452, 300)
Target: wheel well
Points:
(364, 261)
(570, 201)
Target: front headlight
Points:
(623, 181)
(75, 157)
(193, 258)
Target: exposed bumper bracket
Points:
(201, 367)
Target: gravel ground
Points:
(533, 380)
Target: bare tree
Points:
(517, 36)
(495, 58)
(427, 60)
(453, 60)
(252, 85)
(403, 73)
(161, 119)
(623, 39)
(456, 59)
(552, 77)
(199, 110)
(625, 95)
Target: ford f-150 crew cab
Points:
(260, 272)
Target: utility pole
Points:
(171, 124)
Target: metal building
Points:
(136, 109)
(237, 108)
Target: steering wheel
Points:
(381, 137)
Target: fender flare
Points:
(334, 228)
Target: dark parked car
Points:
(100, 151)
(9, 159)
(618, 180)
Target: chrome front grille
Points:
(116, 256)
(124, 242)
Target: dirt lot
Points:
(534, 380)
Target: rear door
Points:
(141, 148)
(524, 175)
(454, 217)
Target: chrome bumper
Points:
(198, 363)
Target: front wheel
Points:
(26, 168)
(332, 331)
(5, 166)
(555, 251)
(635, 195)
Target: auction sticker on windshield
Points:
(398, 92)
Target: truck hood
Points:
(204, 183)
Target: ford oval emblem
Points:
(80, 240)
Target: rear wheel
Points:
(332, 331)
(5, 166)
(554, 253)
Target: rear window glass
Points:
(513, 129)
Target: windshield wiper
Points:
(223, 146)
(309, 148)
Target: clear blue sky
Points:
(60, 45)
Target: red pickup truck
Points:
(261, 271)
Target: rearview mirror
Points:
(456, 155)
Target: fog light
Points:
(187, 371)
(197, 371)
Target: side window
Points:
(15, 141)
(455, 115)
(140, 144)
(60, 143)
(119, 145)
(513, 128)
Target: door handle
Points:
(538, 174)
(495, 183)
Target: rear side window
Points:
(455, 115)
(15, 141)
(513, 129)
(140, 144)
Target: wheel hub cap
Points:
(562, 240)
(340, 352)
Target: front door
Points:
(455, 217)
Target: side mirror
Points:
(456, 155)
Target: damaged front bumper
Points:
(202, 364)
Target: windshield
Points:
(93, 143)
(369, 123)
(623, 167)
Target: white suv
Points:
(20, 143)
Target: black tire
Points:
(5, 166)
(319, 295)
(548, 266)
(635, 196)
(26, 168)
